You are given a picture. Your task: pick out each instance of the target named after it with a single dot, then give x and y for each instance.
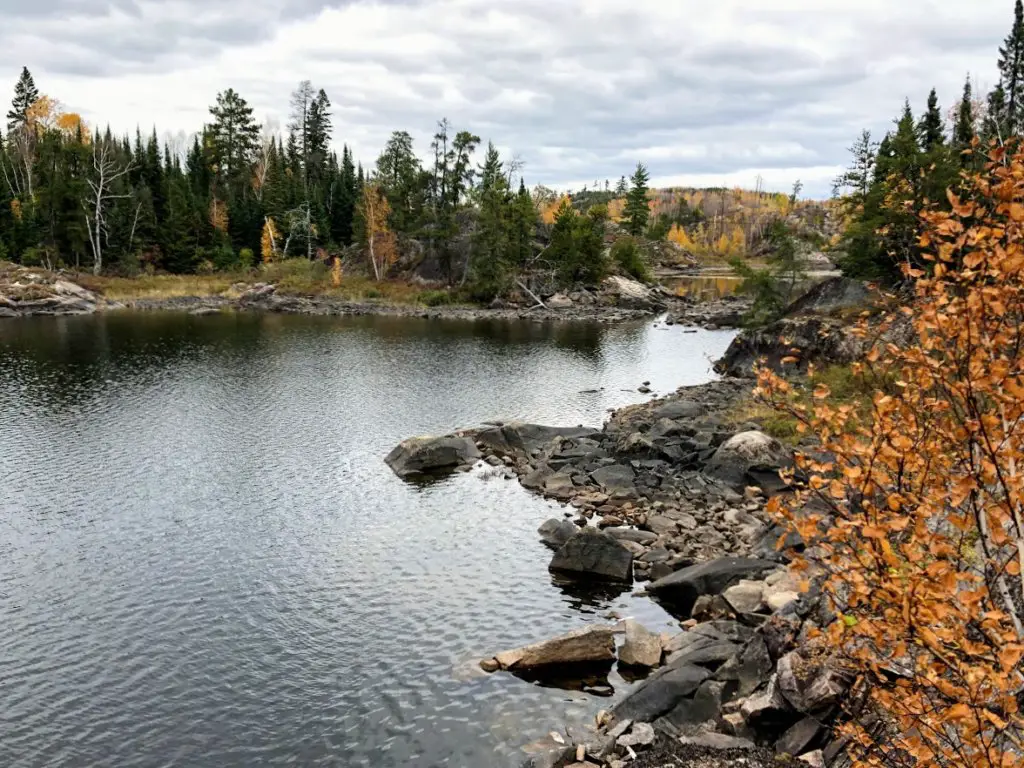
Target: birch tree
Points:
(106, 170)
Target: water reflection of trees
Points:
(61, 360)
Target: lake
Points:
(205, 562)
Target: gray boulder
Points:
(681, 589)
(427, 455)
(555, 532)
(591, 554)
(642, 647)
(734, 459)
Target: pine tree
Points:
(1011, 71)
(637, 211)
(25, 95)
(621, 188)
(931, 128)
(234, 136)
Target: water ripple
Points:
(204, 561)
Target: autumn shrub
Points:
(914, 508)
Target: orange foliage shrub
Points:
(918, 519)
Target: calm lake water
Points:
(205, 562)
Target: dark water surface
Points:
(205, 562)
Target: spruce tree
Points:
(931, 128)
(25, 95)
(963, 131)
(1011, 71)
(637, 211)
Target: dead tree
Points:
(106, 169)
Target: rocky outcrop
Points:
(812, 330)
(586, 645)
(432, 455)
(25, 292)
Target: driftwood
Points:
(533, 295)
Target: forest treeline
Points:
(891, 182)
(241, 193)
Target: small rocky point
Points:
(672, 493)
(25, 291)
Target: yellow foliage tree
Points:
(268, 242)
(71, 125)
(616, 208)
(381, 244)
(917, 516)
(549, 210)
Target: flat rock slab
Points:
(591, 554)
(585, 645)
(616, 477)
(661, 693)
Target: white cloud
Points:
(580, 89)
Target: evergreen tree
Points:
(637, 211)
(857, 178)
(233, 137)
(1011, 71)
(963, 131)
(621, 188)
(490, 257)
(523, 228)
(931, 128)
(25, 95)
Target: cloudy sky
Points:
(703, 92)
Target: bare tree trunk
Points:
(106, 171)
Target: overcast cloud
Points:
(702, 92)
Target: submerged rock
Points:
(592, 554)
(427, 455)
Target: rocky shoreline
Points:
(669, 493)
(26, 292)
